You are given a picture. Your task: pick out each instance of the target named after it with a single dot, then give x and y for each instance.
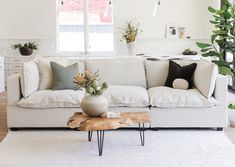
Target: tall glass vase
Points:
(130, 48)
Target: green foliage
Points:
(90, 82)
(223, 38)
(231, 106)
(203, 45)
(31, 45)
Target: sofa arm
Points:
(221, 90)
(13, 89)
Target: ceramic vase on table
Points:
(130, 48)
(94, 105)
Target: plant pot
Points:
(233, 86)
(130, 48)
(231, 117)
(26, 51)
(94, 105)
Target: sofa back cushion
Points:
(119, 72)
(156, 72)
(46, 77)
(204, 76)
(45, 72)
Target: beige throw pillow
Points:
(29, 78)
(45, 72)
(205, 77)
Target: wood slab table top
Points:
(86, 123)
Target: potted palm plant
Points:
(222, 40)
(25, 49)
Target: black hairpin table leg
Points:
(89, 135)
(100, 139)
(141, 129)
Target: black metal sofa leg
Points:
(14, 129)
(219, 129)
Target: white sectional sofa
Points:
(134, 86)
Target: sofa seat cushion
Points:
(53, 99)
(165, 97)
(127, 96)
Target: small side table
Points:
(100, 124)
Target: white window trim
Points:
(86, 36)
(86, 26)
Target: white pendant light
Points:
(108, 6)
(158, 3)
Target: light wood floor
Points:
(3, 116)
(230, 132)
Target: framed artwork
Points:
(172, 31)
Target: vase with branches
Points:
(94, 104)
(129, 34)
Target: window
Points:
(85, 26)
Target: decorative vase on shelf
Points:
(130, 48)
(94, 105)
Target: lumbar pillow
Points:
(180, 84)
(205, 77)
(29, 78)
(63, 76)
(176, 71)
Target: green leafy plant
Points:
(231, 106)
(129, 33)
(30, 45)
(90, 82)
(222, 39)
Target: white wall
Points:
(27, 19)
(191, 14)
(36, 20)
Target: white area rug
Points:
(121, 149)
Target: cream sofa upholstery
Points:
(164, 97)
(135, 86)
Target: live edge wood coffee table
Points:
(100, 124)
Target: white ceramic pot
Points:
(231, 117)
(94, 105)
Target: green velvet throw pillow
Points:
(63, 76)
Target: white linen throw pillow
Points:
(29, 78)
(205, 77)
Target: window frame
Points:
(86, 51)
